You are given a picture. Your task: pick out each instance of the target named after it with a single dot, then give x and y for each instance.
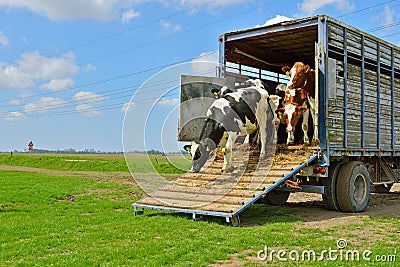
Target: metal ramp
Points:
(226, 195)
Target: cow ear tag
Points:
(215, 92)
(208, 149)
(288, 73)
(187, 148)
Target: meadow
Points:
(56, 220)
(139, 163)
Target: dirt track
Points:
(312, 209)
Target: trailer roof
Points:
(279, 44)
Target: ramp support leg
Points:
(197, 217)
(235, 220)
(138, 212)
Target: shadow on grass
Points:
(256, 215)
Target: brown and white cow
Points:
(295, 106)
(302, 78)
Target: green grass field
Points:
(138, 163)
(63, 221)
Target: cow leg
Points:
(247, 140)
(277, 122)
(311, 101)
(304, 126)
(262, 131)
(228, 165)
(290, 139)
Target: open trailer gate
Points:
(226, 195)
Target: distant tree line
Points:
(92, 151)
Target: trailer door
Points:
(196, 97)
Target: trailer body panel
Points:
(358, 80)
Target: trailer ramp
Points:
(226, 195)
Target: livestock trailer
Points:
(357, 82)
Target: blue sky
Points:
(68, 69)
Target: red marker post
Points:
(30, 147)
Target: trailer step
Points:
(388, 171)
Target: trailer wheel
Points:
(276, 198)
(329, 198)
(353, 187)
(381, 188)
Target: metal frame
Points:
(378, 89)
(222, 61)
(268, 29)
(323, 85)
(345, 59)
(393, 95)
(362, 91)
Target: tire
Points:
(276, 197)
(353, 187)
(329, 199)
(381, 189)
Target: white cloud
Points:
(128, 107)
(72, 9)
(88, 97)
(205, 64)
(58, 84)
(15, 102)
(275, 20)
(107, 10)
(128, 15)
(87, 102)
(168, 102)
(90, 67)
(32, 66)
(4, 41)
(211, 7)
(169, 28)
(388, 16)
(308, 7)
(12, 116)
(44, 105)
(87, 110)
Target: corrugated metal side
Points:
(364, 99)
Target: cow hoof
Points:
(315, 142)
(229, 170)
(263, 156)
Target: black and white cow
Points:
(237, 112)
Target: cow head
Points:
(291, 113)
(220, 93)
(298, 75)
(200, 153)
